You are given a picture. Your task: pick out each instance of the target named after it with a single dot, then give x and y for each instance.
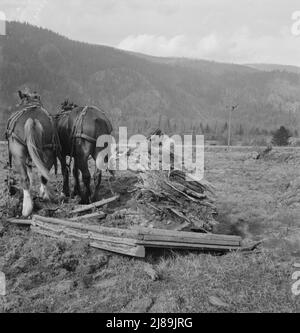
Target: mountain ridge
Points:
(140, 90)
(275, 67)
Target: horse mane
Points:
(68, 106)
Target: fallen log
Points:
(132, 242)
(94, 205)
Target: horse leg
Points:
(98, 179)
(20, 158)
(84, 150)
(30, 174)
(101, 165)
(65, 173)
(86, 177)
(77, 189)
(49, 162)
(25, 184)
(44, 191)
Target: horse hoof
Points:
(26, 213)
(27, 204)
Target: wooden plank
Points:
(47, 226)
(95, 205)
(99, 215)
(187, 246)
(46, 233)
(126, 241)
(202, 240)
(140, 236)
(154, 231)
(147, 232)
(90, 235)
(135, 251)
(139, 249)
(125, 249)
(19, 222)
(103, 230)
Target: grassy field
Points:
(257, 199)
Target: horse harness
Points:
(77, 131)
(55, 145)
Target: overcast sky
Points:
(238, 31)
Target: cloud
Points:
(281, 48)
(177, 46)
(240, 47)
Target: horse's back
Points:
(35, 113)
(94, 121)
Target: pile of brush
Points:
(171, 199)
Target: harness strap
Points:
(86, 137)
(16, 137)
(77, 132)
(11, 124)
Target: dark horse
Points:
(78, 130)
(31, 138)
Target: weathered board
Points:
(134, 241)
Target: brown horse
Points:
(78, 130)
(31, 139)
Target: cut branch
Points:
(95, 205)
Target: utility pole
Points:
(231, 109)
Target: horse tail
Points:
(33, 137)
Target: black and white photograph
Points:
(150, 159)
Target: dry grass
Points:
(254, 199)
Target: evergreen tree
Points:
(281, 137)
(225, 127)
(207, 129)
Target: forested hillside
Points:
(273, 67)
(139, 91)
